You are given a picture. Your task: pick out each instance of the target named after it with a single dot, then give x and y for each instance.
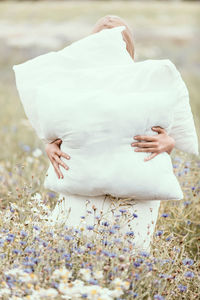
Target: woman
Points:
(145, 212)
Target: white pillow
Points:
(95, 98)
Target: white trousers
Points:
(132, 215)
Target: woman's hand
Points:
(54, 153)
(159, 143)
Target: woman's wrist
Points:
(171, 145)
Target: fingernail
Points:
(135, 149)
(68, 157)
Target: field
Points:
(37, 262)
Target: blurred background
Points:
(161, 29)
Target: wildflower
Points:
(182, 288)
(116, 226)
(186, 203)
(68, 237)
(165, 215)
(105, 223)
(90, 227)
(89, 245)
(136, 264)
(29, 250)
(168, 238)
(16, 251)
(98, 274)
(189, 274)
(159, 232)
(122, 210)
(130, 233)
(85, 273)
(51, 194)
(158, 297)
(93, 281)
(37, 152)
(134, 215)
(144, 253)
(23, 233)
(112, 231)
(36, 227)
(188, 261)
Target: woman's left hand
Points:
(159, 143)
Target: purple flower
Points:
(182, 288)
(188, 261)
(16, 251)
(186, 203)
(69, 237)
(36, 227)
(159, 232)
(165, 215)
(158, 297)
(130, 233)
(28, 270)
(116, 226)
(23, 243)
(134, 215)
(117, 240)
(105, 223)
(136, 264)
(144, 253)
(90, 227)
(29, 250)
(93, 281)
(122, 210)
(90, 245)
(189, 274)
(23, 233)
(112, 231)
(51, 195)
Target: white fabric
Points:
(95, 98)
(70, 208)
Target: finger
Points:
(60, 162)
(150, 156)
(145, 150)
(158, 129)
(63, 154)
(145, 138)
(148, 145)
(57, 169)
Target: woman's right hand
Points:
(54, 153)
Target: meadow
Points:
(41, 262)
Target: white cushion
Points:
(95, 98)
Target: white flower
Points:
(86, 273)
(29, 159)
(37, 152)
(47, 293)
(98, 274)
(5, 292)
(61, 273)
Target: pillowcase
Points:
(95, 98)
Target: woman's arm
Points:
(54, 153)
(159, 143)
